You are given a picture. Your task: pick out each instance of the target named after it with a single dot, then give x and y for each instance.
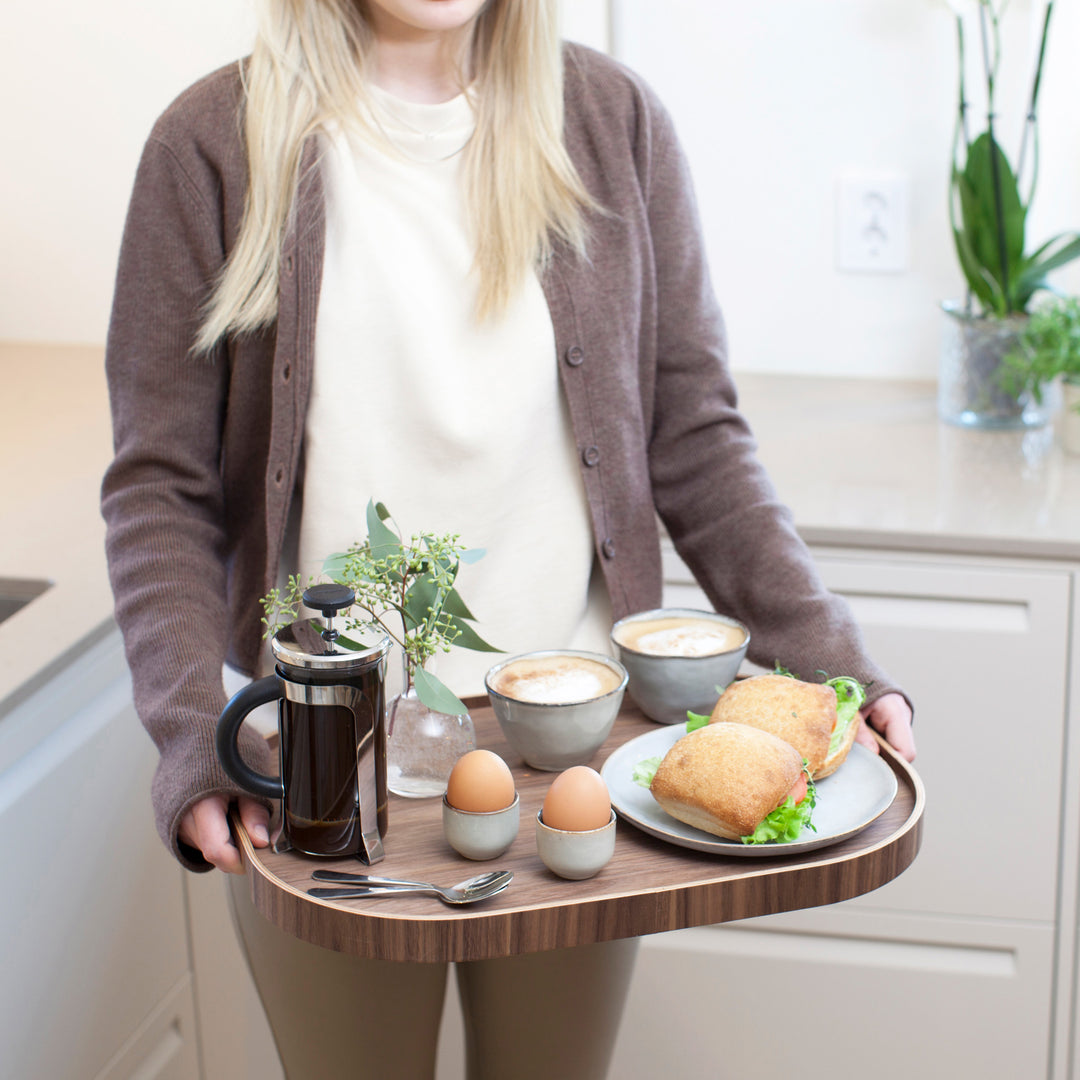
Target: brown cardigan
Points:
(207, 449)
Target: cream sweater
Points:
(456, 426)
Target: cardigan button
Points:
(286, 371)
(591, 455)
(608, 548)
(575, 356)
(279, 477)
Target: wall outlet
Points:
(872, 224)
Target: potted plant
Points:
(1048, 348)
(406, 588)
(988, 213)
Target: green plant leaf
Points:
(334, 566)
(473, 555)
(382, 540)
(421, 596)
(988, 210)
(435, 694)
(455, 606)
(1042, 261)
(982, 286)
(468, 638)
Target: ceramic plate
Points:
(860, 791)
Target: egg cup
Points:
(481, 836)
(575, 855)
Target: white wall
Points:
(774, 101)
(82, 84)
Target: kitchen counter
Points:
(869, 464)
(57, 442)
(860, 462)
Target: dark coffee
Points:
(319, 747)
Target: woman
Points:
(412, 249)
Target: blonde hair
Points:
(308, 70)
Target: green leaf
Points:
(435, 694)
(849, 698)
(989, 210)
(787, 821)
(382, 540)
(694, 721)
(455, 606)
(422, 595)
(468, 638)
(1040, 264)
(473, 555)
(334, 566)
(645, 770)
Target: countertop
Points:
(861, 463)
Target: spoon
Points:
(465, 892)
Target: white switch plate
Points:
(872, 224)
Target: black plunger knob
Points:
(329, 598)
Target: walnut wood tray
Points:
(649, 886)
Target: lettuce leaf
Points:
(645, 770)
(788, 820)
(850, 695)
(694, 721)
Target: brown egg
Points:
(480, 782)
(577, 801)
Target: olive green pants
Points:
(546, 1016)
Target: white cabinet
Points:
(96, 981)
(960, 964)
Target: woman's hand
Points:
(890, 715)
(205, 827)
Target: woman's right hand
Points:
(205, 827)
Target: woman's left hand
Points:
(891, 717)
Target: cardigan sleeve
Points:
(709, 487)
(162, 496)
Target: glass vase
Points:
(422, 745)
(970, 389)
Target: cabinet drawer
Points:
(925, 998)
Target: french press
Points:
(331, 722)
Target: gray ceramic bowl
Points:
(666, 687)
(552, 737)
(575, 855)
(481, 836)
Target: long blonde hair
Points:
(308, 70)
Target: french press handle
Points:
(261, 692)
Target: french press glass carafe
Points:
(331, 722)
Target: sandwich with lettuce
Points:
(820, 720)
(735, 782)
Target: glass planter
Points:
(970, 391)
(422, 745)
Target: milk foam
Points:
(555, 680)
(679, 636)
(687, 641)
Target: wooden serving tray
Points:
(649, 885)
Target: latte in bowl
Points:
(680, 635)
(556, 707)
(679, 659)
